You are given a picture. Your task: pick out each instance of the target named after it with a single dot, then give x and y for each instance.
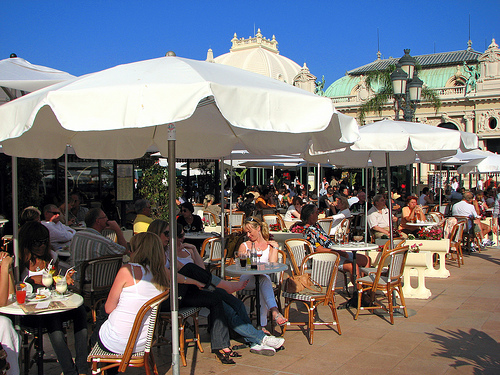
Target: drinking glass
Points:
(61, 286)
(47, 279)
(243, 260)
(21, 293)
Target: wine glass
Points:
(357, 238)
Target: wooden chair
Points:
(342, 233)
(210, 217)
(273, 219)
(326, 224)
(97, 277)
(109, 233)
(398, 243)
(297, 249)
(234, 221)
(212, 253)
(99, 357)
(374, 283)
(469, 236)
(323, 271)
(185, 313)
(456, 238)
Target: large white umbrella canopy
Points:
(119, 112)
(461, 157)
(389, 143)
(489, 164)
(17, 73)
(187, 108)
(403, 141)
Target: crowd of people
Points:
(43, 234)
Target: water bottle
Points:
(253, 257)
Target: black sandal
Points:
(224, 358)
(234, 354)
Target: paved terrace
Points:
(456, 331)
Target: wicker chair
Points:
(273, 219)
(326, 224)
(297, 249)
(185, 313)
(323, 271)
(212, 254)
(456, 238)
(99, 357)
(233, 221)
(373, 283)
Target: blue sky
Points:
(330, 36)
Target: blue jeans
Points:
(237, 318)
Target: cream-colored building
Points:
(468, 104)
(260, 55)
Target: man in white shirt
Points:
(378, 218)
(60, 234)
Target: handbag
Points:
(297, 283)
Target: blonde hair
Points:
(147, 250)
(209, 198)
(255, 223)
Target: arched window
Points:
(448, 125)
(493, 123)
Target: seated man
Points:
(143, 218)
(76, 212)
(378, 218)
(89, 243)
(60, 234)
(344, 213)
(465, 208)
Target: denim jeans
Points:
(237, 318)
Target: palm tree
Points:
(382, 79)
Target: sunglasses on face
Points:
(167, 233)
(38, 243)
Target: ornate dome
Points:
(258, 55)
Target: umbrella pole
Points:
(66, 188)
(174, 302)
(15, 213)
(388, 166)
(223, 258)
(318, 179)
(366, 205)
(440, 184)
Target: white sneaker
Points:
(262, 350)
(273, 342)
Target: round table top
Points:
(200, 235)
(355, 246)
(70, 302)
(422, 224)
(263, 268)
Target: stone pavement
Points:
(456, 331)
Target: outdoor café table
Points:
(197, 238)
(354, 247)
(262, 269)
(422, 224)
(69, 302)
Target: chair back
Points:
(274, 219)
(234, 220)
(141, 318)
(324, 267)
(326, 224)
(211, 249)
(109, 233)
(457, 232)
(198, 209)
(343, 231)
(297, 249)
(99, 274)
(398, 261)
(277, 277)
(210, 217)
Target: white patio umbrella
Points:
(489, 164)
(389, 143)
(200, 108)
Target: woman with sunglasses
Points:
(258, 234)
(36, 255)
(234, 309)
(193, 293)
(187, 220)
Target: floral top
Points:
(317, 236)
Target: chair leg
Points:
(310, 311)
(286, 313)
(360, 295)
(402, 298)
(391, 307)
(335, 316)
(197, 332)
(182, 342)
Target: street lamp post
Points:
(407, 86)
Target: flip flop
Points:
(280, 316)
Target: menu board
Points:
(124, 182)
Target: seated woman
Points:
(208, 205)
(264, 201)
(192, 294)
(234, 309)
(293, 212)
(343, 213)
(136, 282)
(34, 245)
(8, 335)
(321, 241)
(411, 212)
(258, 235)
(187, 220)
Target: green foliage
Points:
(241, 174)
(154, 187)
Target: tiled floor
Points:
(456, 331)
